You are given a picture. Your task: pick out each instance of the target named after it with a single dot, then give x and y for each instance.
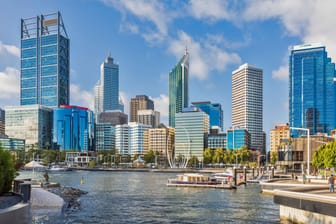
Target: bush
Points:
(7, 171)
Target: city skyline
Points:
(220, 40)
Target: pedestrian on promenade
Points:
(331, 182)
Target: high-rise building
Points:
(32, 123)
(12, 144)
(191, 130)
(121, 139)
(178, 88)
(247, 103)
(136, 138)
(214, 110)
(106, 91)
(149, 117)
(112, 117)
(140, 102)
(280, 132)
(2, 122)
(216, 138)
(312, 89)
(238, 138)
(104, 136)
(45, 65)
(73, 128)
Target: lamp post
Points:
(308, 145)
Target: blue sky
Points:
(148, 37)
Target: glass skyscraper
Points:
(178, 88)
(44, 61)
(107, 89)
(214, 110)
(247, 103)
(312, 90)
(73, 128)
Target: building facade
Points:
(280, 132)
(106, 91)
(216, 139)
(73, 128)
(136, 138)
(12, 144)
(2, 122)
(312, 89)
(121, 139)
(149, 117)
(104, 136)
(112, 117)
(247, 103)
(140, 102)
(45, 64)
(214, 110)
(178, 88)
(238, 138)
(191, 130)
(30, 122)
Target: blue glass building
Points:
(214, 110)
(44, 61)
(312, 90)
(178, 88)
(237, 138)
(73, 128)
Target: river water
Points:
(143, 197)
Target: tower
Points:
(247, 102)
(312, 90)
(178, 88)
(45, 64)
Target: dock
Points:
(216, 186)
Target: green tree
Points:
(92, 163)
(193, 161)
(218, 156)
(325, 156)
(149, 156)
(318, 157)
(7, 171)
(274, 157)
(207, 156)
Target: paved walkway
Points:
(41, 198)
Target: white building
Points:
(247, 102)
(121, 139)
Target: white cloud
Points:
(281, 73)
(125, 99)
(81, 97)
(153, 11)
(10, 49)
(161, 104)
(212, 10)
(9, 83)
(204, 56)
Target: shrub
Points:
(7, 171)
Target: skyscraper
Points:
(140, 102)
(44, 61)
(178, 88)
(106, 91)
(312, 90)
(214, 110)
(2, 121)
(247, 103)
(149, 117)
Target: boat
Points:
(198, 180)
(58, 168)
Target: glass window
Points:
(28, 73)
(49, 81)
(49, 60)
(27, 83)
(28, 43)
(50, 39)
(28, 93)
(27, 63)
(47, 50)
(49, 91)
(28, 53)
(49, 70)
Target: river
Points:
(143, 197)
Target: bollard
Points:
(235, 176)
(272, 173)
(25, 189)
(253, 173)
(245, 175)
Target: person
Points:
(46, 176)
(304, 177)
(331, 182)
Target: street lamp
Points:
(308, 145)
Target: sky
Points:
(148, 37)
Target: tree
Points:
(193, 161)
(325, 156)
(274, 157)
(7, 171)
(149, 156)
(207, 156)
(218, 156)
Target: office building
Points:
(2, 122)
(191, 130)
(12, 144)
(312, 90)
(104, 136)
(136, 138)
(160, 140)
(106, 91)
(247, 103)
(216, 138)
(30, 122)
(279, 133)
(140, 102)
(112, 117)
(121, 139)
(149, 117)
(238, 138)
(45, 65)
(214, 110)
(73, 128)
(178, 88)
